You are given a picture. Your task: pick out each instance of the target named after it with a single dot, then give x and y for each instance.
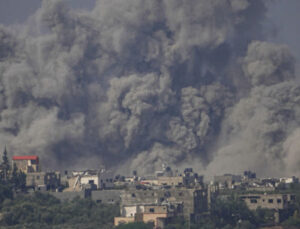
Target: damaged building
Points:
(190, 203)
(90, 179)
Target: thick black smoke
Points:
(138, 83)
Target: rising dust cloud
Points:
(137, 83)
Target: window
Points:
(167, 194)
(253, 201)
(132, 195)
(151, 210)
(180, 194)
(278, 201)
(37, 177)
(91, 181)
(270, 201)
(99, 201)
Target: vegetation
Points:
(45, 211)
(293, 220)
(231, 213)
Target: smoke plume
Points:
(137, 83)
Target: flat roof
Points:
(29, 157)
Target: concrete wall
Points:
(171, 181)
(123, 220)
(90, 178)
(156, 209)
(194, 201)
(35, 179)
(152, 218)
(26, 166)
(130, 211)
(106, 196)
(269, 201)
(106, 180)
(49, 179)
(67, 196)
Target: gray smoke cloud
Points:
(134, 84)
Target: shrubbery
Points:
(43, 210)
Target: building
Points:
(155, 214)
(106, 196)
(95, 179)
(268, 201)
(106, 179)
(26, 164)
(43, 180)
(275, 202)
(249, 175)
(227, 180)
(194, 201)
(289, 180)
(90, 178)
(170, 181)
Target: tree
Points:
(45, 211)
(5, 165)
(230, 212)
(18, 178)
(5, 193)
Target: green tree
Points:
(5, 192)
(5, 165)
(231, 212)
(18, 178)
(45, 211)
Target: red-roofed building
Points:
(27, 164)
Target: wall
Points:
(194, 201)
(35, 179)
(106, 179)
(148, 218)
(67, 196)
(106, 196)
(172, 181)
(87, 178)
(122, 220)
(269, 201)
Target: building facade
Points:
(26, 164)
